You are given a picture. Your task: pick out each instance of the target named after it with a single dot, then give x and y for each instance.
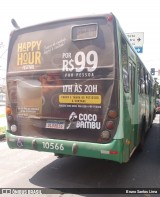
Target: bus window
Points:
(132, 80)
(146, 82)
(124, 59)
(142, 80)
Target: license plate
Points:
(55, 124)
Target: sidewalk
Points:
(3, 123)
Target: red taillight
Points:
(110, 125)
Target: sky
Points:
(133, 15)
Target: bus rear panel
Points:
(63, 88)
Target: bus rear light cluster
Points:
(110, 125)
(112, 115)
(9, 115)
(10, 119)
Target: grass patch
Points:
(2, 130)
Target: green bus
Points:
(77, 87)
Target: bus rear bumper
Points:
(111, 151)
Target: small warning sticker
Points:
(80, 99)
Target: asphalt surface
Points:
(31, 169)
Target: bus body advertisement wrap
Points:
(67, 86)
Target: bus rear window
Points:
(84, 32)
(70, 48)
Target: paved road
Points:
(31, 169)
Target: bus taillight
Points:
(8, 111)
(110, 125)
(112, 114)
(9, 115)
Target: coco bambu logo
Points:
(29, 54)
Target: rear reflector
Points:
(109, 152)
(113, 152)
